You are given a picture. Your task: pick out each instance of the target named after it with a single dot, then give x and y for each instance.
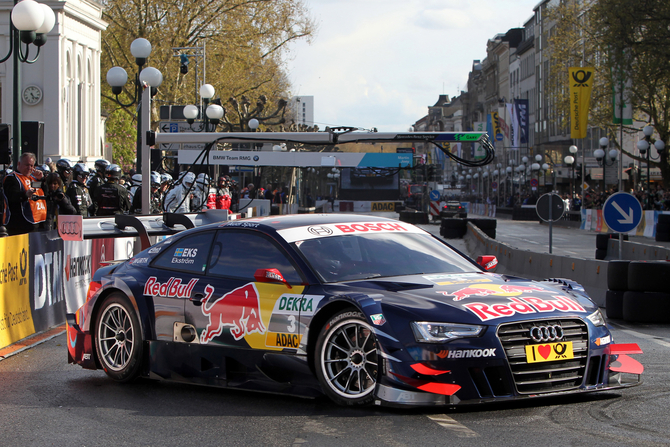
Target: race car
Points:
(364, 310)
(453, 208)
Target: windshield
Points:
(352, 257)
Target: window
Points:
(239, 254)
(188, 254)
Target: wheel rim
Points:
(349, 359)
(116, 337)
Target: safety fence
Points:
(42, 277)
(593, 220)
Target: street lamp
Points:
(573, 151)
(599, 154)
(30, 22)
(644, 146)
(213, 112)
(149, 77)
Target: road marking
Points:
(653, 338)
(458, 429)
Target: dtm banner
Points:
(16, 321)
(47, 285)
(581, 83)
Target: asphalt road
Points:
(45, 401)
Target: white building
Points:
(67, 73)
(300, 110)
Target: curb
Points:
(31, 341)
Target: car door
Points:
(177, 274)
(237, 309)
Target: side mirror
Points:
(488, 262)
(270, 275)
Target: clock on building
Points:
(32, 95)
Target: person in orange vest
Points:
(25, 206)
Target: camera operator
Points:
(24, 214)
(57, 201)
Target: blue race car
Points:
(362, 309)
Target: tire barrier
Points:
(413, 217)
(646, 307)
(663, 228)
(614, 304)
(602, 243)
(453, 227)
(637, 291)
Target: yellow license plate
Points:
(549, 352)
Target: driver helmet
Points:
(101, 165)
(136, 179)
(113, 172)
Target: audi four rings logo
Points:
(320, 231)
(69, 228)
(546, 333)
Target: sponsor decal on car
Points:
(312, 232)
(523, 305)
(283, 340)
(288, 310)
(448, 279)
(467, 353)
(155, 249)
(241, 224)
(139, 261)
(603, 340)
(378, 319)
(238, 310)
(493, 289)
(184, 255)
(172, 288)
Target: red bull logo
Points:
(492, 289)
(239, 310)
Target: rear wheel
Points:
(347, 359)
(118, 339)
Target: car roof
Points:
(299, 220)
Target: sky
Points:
(382, 63)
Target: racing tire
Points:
(662, 227)
(453, 222)
(484, 224)
(602, 240)
(662, 237)
(601, 254)
(617, 275)
(646, 307)
(651, 276)
(347, 359)
(453, 233)
(664, 218)
(118, 339)
(614, 304)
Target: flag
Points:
(621, 101)
(521, 107)
(581, 84)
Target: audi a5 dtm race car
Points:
(361, 309)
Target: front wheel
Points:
(118, 339)
(347, 359)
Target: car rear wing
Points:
(143, 226)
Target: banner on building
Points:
(623, 111)
(521, 108)
(16, 321)
(581, 84)
(513, 126)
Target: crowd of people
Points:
(34, 195)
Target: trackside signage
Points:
(318, 231)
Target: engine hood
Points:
(480, 297)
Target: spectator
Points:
(56, 200)
(111, 197)
(78, 192)
(24, 214)
(269, 193)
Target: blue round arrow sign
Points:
(622, 212)
(434, 195)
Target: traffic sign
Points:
(434, 195)
(533, 182)
(550, 207)
(622, 212)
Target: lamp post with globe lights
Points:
(30, 22)
(644, 146)
(149, 77)
(213, 112)
(573, 162)
(602, 160)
